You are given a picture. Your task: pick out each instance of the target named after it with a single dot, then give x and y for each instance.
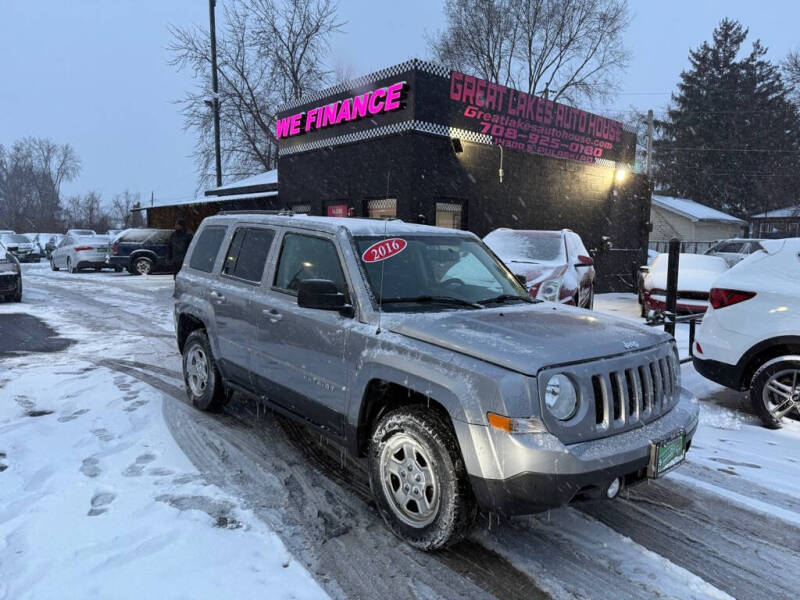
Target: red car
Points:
(556, 265)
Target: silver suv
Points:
(416, 349)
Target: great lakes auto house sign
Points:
(424, 97)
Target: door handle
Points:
(272, 314)
(217, 296)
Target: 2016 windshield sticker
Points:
(384, 249)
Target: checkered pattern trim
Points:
(346, 86)
(629, 127)
(393, 129)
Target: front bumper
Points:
(528, 473)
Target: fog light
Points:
(614, 488)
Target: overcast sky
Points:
(95, 73)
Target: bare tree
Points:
(31, 175)
(268, 52)
(121, 206)
(568, 50)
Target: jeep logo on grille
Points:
(630, 344)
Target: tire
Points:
(70, 268)
(117, 269)
(142, 266)
(590, 305)
(203, 383)
(436, 464)
(17, 297)
(775, 390)
(53, 264)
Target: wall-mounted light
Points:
(457, 147)
(621, 175)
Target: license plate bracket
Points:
(666, 454)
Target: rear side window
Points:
(137, 235)
(247, 254)
(306, 257)
(206, 249)
(160, 237)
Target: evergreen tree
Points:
(732, 138)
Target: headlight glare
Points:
(561, 397)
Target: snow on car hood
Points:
(696, 273)
(526, 338)
(537, 273)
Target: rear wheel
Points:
(70, 268)
(775, 390)
(419, 479)
(203, 383)
(142, 266)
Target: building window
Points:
(449, 214)
(385, 208)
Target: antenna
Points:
(383, 262)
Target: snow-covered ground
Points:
(111, 486)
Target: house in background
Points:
(780, 223)
(697, 225)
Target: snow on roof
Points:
(268, 178)
(789, 211)
(693, 210)
(202, 199)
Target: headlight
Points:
(550, 290)
(561, 397)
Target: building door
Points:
(450, 214)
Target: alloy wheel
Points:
(782, 392)
(409, 481)
(197, 370)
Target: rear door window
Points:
(307, 257)
(247, 254)
(160, 237)
(206, 249)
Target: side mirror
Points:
(521, 278)
(321, 294)
(584, 261)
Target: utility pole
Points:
(649, 166)
(215, 89)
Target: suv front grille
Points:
(617, 394)
(635, 394)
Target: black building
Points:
(423, 143)
(450, 150)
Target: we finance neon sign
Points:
(375, 102)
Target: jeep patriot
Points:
(416, 349)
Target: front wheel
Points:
(53, 264)
(203, 383)
(419, 479)
(775, 390)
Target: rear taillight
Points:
(720, 297)
(82, 248)
(114, 248)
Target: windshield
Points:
(81, 232)
(527, 246)
(15, 238)
(430, 272)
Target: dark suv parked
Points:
(418, 351)
(142, 251)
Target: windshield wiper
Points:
(432, 300)
(525, 262)
(505, 297)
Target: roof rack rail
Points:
(283, 212)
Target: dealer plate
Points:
(667, 454)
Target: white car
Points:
(750, 337)
(81, 252)
(696, 272)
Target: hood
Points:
(527, 338)
(537, 273)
